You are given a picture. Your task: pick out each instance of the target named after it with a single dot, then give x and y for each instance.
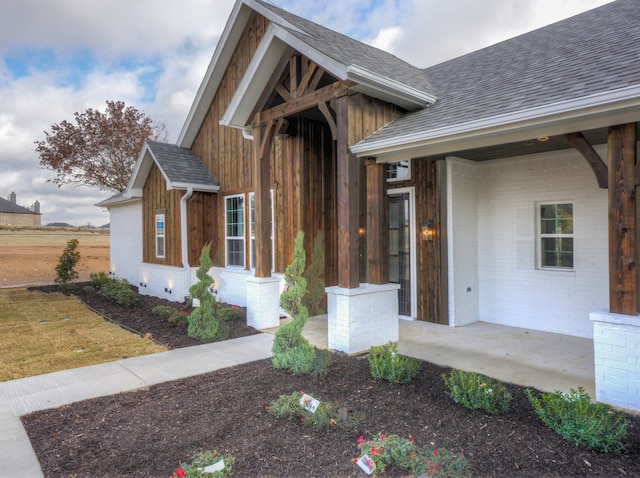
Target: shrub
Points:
(476, 391)
(202, 460)
(290, 349)
(66, 268)
(572, 415)
(326, 415)
(99, 278)
(119, 292)
(385, 362)
(392, 450)
(204, 322)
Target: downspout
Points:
(184, 240)
(246, 134)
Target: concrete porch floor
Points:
(542, 360)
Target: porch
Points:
(542, 360)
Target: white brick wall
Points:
(499, 247)
(616, 342)
(263, 302)
(158, 277)
(362, 317)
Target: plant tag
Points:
(218, 466)
(366, 464)
(309, 403)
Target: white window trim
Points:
(540, 236)
(242, 238)
(161, 236)
(252, 236)
(395, 180)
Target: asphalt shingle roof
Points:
(594, 52)
(181, 165)
(350, 52)
(9, 207)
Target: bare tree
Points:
(100, 150)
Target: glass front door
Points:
(400, 249)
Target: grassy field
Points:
(41, 333)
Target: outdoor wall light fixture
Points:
(143, 284)
(427, 231)
(167, 290)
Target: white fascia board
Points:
(602, 109)
(394, 89)
(195, 187)
(227, 43)
(141, 168)
(119, 201)
(265, 61)
(265, 12)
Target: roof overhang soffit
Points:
(272, 56)
(581, 114)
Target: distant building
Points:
(13, 215)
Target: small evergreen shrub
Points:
(386, 363)
(291, 351)
(203, 460)
(384, 451)
(595, 426)
(204, 322)
(119, 292)
(66, 268)
(328, 414)
(476, 391)
(98, 279)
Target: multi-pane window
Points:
(252, 212)
(556, 235)
(398, 171)
(234, 230)
(160, 235)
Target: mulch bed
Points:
(147, 433)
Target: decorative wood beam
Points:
(348, 171)
(324, 109)
(305, 102)
(306, 78)
(316, 78)
(293, 76)
(377, 224)
(579, 142)
(623, 221)
(282, 91)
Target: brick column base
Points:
(616, 343)
(263, 302)
(362, 317)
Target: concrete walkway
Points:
(23, 396)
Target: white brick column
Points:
(362, 317)
(263, 302)
(616, 342)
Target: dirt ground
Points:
(29, 256)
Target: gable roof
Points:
(12, 208)
(376, 72)
(588, 64)
(180, 167)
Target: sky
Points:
(59, 57)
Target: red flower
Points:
(179, 473)
(266, 407)
(360, 441)
(374, 451)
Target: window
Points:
(556, 235)
(159, 235)
(234, 230)
(252, 233)
(398, 171)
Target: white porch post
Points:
(362, 317)
(263, 302)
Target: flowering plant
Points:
(201, 461)
(391, 450)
